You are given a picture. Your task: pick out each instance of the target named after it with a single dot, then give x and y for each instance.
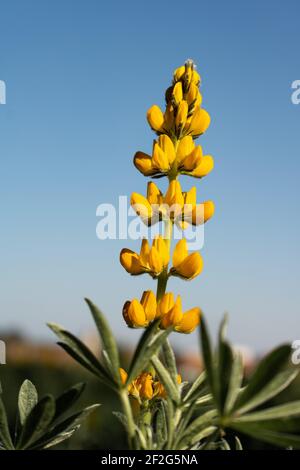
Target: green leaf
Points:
(160, 426)
(197, 427)
(208, 358)
(238, 444)
(287, 410)
(148, 346)
(235, 382)
(37, 422)
(273, 388)
(27, 400)
(169, 360)
(264, 374)
(224, 371)
(5, 437)
(195, 386)
(67, 399)
(108, 340)
(166, 379)
(80, 352)
(63, 430)
(272, 437)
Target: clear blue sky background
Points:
(80, 76)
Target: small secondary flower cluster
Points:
(174, 153)
(145, 386)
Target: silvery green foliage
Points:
(210, 413)
(44, 423)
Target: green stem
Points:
(129, 417)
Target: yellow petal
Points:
(159, 158)
(177, 93)
(205, 166)
(162, 248)
(155, 118)
(182, 113)
(190, 321)
(143, 163)
(190, 267)
(165, 304)
(141, 205)
(136, 314)
(174, 194)
(155, 261)
(180, 252)
(191, 196)
(154, 195)
(178, 73)
(193, 96)
(148, 301)
(131, 262)
(199, 122)
(172, 318)
(144, 253)
(203, 212)
(185, 147)
(123, 375)
(191, 161)
(146, 386)
(167, 146)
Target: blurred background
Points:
(79, 78)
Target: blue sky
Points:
(80, 77)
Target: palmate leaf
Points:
(63, 430)
(37, 422)
(5, 437)
(108, 340)
(27, 400)
(64, 402)
(166, 379)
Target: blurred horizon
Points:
(79, 78)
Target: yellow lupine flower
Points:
(150, 260)
(185, 146)
(162, 158)
(177, 93)
(134, 314)
(174, 194)
(144, 164)
(148, 301)
(185, 265)
(201, 213)
(181, 115)
(172, 316)
(154, 195)
(205, 166)
(190, 320)
(145, 386)
(192, 75)
(139, 314)
(155, 118)
(147, 208)
(199, 122)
